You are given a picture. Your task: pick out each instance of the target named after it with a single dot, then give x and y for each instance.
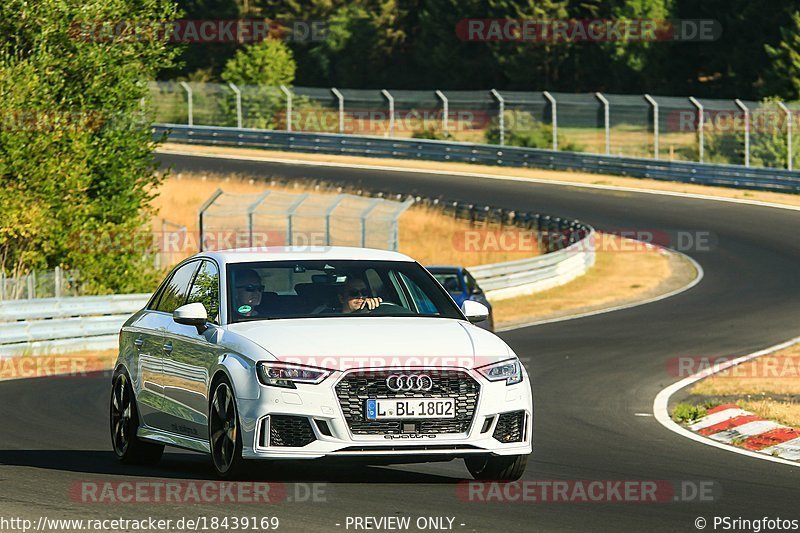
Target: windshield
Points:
(302, 289)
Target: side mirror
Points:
(194, 314)
(475, 311)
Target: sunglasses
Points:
(358, 293)
(251, 287)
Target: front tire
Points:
(124, 418)
(225, 437)
(496, 467)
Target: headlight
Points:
(286, 375)
(509, 370)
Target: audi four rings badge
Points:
(409, 382)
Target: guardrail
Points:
(59, 325)
(88, 323)
(757, 178)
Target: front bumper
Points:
(309, 423)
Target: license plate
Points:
(394, 409)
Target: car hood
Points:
(344, 343)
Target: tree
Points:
(76, 166)
(268, 63)
(783, 72)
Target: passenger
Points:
(249, 289)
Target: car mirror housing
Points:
(474, 311)
(193, 314)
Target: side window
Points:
(175, 291)
(472, 285)
(205, 290)
(424, 305)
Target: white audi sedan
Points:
(304, 353)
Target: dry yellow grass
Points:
(618, 277)
(574, 177)
(426, 234)
(775, 374)
(787, 413)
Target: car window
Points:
(175, 291)
(472, 285)
(421, 300)
(450, 281)
(205, 290)
(315, 288)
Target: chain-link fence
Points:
(40, 284)
(276, 218)
(660, 127)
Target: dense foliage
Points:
(414, 44)
(76, 167)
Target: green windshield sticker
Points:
(245, 309)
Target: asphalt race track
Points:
(591, 376)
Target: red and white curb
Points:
(729, 424)
(730, 428)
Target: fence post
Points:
(238, 94)
(202, 210)
(328, 212)
(189, 101)
(375, 202)
(57, 282)
(445, 110)
(389, 97)
(290, 213)
(700, 125)
(788, 134)
(502, 106)
(250, 210)
(288, 94)
(2, 285)
(653, 103)
(31, 279)
(554, 112)
(606, 120)
(340, 97)
(743, 107)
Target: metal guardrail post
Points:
(554, 113)
(606, 120)
(390, 98)
(746, 111)
(339, 97)
(189, 100)
(288, 94)
(502, 105)
(445, 110)
(653, 103)
(700, 125)
(238, 94)
(201, 212)
(788, 134)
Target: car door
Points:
(191, 359)
(173, 296)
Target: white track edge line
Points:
(661, 405)
(302, 162)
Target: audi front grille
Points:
(355, 388)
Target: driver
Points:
(354, 296)
(249, 288)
